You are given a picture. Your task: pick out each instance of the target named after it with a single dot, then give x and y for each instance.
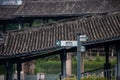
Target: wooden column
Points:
(19, 68)
(118, 61)
(28, 67)
(107, 65)
(30, 23)
(45, 21)
(9, 70)
(4, 28)
(69, 64)
(21, 25)
(63, 65)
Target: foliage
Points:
(71, 78)
(87, 78)
(2, 69)
(98, 62)
(52, 65)
(99, 58)
(93, 78)
(12, 26)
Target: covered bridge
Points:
(98, 19)
(29, 44)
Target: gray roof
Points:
(6, 12)
(31, 41)
(56, 8)
(66, 8)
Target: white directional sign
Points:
(66, 43)
(69, 43)
(83, 38)
(83, 49)
(11, 2)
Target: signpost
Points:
(80, 48)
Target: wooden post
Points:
(63, 65)
(21, 25)
(107, 65)
(118, 61)
(28, 67)
(19, 71)
(30, 23)
(69, 64)
(9, 70)
(4, 28)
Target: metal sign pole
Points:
(78, 57)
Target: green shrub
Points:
(93, 78)
(98, 58)
(70, 78)
(87, 78)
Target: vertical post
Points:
(19, 71)
(45, 21)
(63, 65)
(78, 57)
(107, 65)
(21, 25)
(118, 62)
(107, 54)
(30, 23)
(4, 28)
(9, 70)
(69, 64)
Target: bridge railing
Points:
(109, 74)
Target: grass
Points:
(50, 67)
(54, 66)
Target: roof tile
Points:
(99, 28)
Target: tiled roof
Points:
(6, 12)
(98, 29)
(66, 8)
(55, 8)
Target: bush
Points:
(71, 78)
(88, 78)
(93, 78)
(98, 58)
